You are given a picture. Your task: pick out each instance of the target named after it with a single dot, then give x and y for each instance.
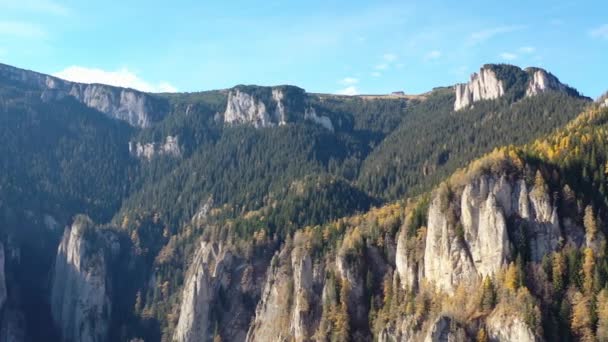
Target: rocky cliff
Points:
(468, 237)
(137, 108)
(484, 85)
(170, 147)
(208, 272)
(267, 107)
(542, 81)
(289, 308)
(494, 81)
(79, 300)
(603, 100)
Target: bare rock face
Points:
(484, 223)
(311, 114)
(603, 100)
(484, 85)
(205, 276)
(244, 106)
(409, 270)
(3, 293)
(289, 308)
(508, 328)
(137, 108)
(79, 295)
(445, 329)
(471, 240)
(149, 150)
(446, 259)
(541, 81)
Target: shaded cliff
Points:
(80, 301)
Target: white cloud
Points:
(349, 81)
(21, 29)
(352, 90)
(435, 54)
(42, 6)
(508, 56)
(120, 78)
(381, 66)
(390, 57)
(483, 35)
(527, 49)
(376, 74)
(600, 32)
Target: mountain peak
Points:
(136, 108)
(493, 81)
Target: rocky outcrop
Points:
(445, 329)
(468, 237)
(148, 151)
(243, 108)
(541, 81)
(441, 329)
(3, 293)
(502, 327)
(137, 108)
(484, 85)
(206, 275)
(409, 270)
(79, 300)
(603, 101)
(268, 107)
(289, 308)
(311, 115)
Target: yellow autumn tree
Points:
(588, 270)
(482, 335)
(590, 223)
(581, 323)
(602, 316)
(511, 277)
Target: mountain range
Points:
(470, 212)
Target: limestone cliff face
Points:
(79, 300)
(3, 293)
(409, 270)
(170, 147)
(206, 275)
(541, 81)
(484, 85)
(441, 329)
(468, 237)
(488, 85)
(603, 101)
(280, 107)
(502, 326)
(137, 108)
(243, 108)
(290, 307)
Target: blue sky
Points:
(329, 46)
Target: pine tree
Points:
(558, 270)
(488, 295)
